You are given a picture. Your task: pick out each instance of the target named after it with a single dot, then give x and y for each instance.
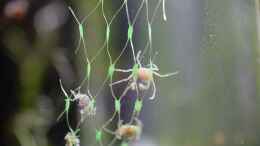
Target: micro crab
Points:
(86, 103)
(72, 139)
(129, 132)
(141, 77)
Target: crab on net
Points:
(141, 77)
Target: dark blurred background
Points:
(213, 43)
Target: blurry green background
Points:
(214, 44)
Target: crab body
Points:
(71, 139)
(145, 74)
(128, 132)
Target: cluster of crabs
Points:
(140, 80)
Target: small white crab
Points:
(142, 77)
(86, 104)
(72, 139)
